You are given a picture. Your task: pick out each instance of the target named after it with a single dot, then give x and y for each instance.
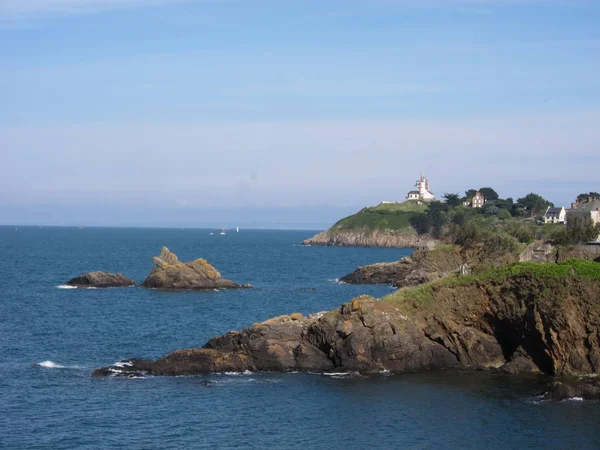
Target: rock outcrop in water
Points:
(426, 265)
(517, 321)
(421, 267)
(370, 238)
(100, 280)
(171, 274)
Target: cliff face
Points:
(517, 321)
(406, 238)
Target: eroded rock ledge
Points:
(522, 323)
(171, 274)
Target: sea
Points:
(52, 338)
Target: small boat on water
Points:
(222, 233)
(237, 229)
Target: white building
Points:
(555, 215)
(477, 201)
(422, 192)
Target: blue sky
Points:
(209, 112)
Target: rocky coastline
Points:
(406, 238)
(516, 322)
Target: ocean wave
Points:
(342, 374)
(237, 374)
(66, 286)
(52, 365)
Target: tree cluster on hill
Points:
(501, 224)
(584, 196)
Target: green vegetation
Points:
(390, 216)
(424, 295)
(501, 225)
(594, 195)
(580, 228)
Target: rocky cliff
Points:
(172, 274)
(406, 238)
(523, 318)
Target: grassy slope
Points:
(423, 296)
(390, 216)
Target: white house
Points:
(477, 201)
(555, 215)
(422, 193)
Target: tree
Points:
(470, 194)
(437, 217)
(452, 199)
(421, 223)
(490, 210)
(594, 195)
(489, 193)
(533, 204)
(581, 228)
(504, 214)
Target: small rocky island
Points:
(171, 274)
(101, 280)
(168, 274)
(522, 318)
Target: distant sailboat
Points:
(237, 229)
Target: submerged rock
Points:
(171, 274)
(100, 280)
(584, 389)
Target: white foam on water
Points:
(122, 364)
(237, 374)
(575, 399)
(66, 286)
(49, 365)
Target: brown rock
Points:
(100, 280)
(171, 274)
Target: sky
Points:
(289, 113)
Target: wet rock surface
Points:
(583, 389)
(100, 280)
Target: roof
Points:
(413, 192)
(588, 206)
(554, 210)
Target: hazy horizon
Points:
(224, 113)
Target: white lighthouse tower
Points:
(422, 192)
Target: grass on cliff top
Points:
(385, 216)
(423, 295)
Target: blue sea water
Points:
(51, 339)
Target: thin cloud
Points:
(16, 11)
